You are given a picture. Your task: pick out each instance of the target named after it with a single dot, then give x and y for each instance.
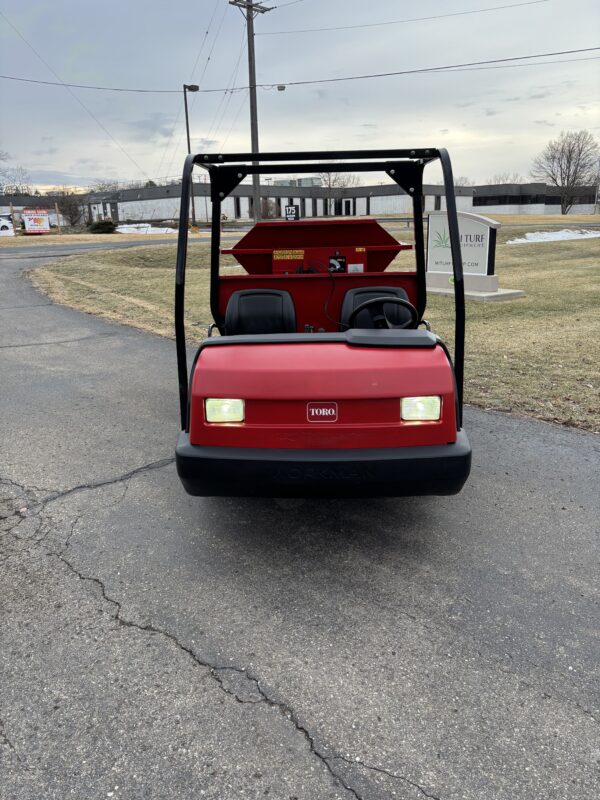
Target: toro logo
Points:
(322, 412)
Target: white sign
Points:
(36, 220)
(477, 244)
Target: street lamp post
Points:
(191, 87)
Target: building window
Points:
(437, 203)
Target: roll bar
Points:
(228, 170)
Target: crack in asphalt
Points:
(39, 506)
(74, 524)
(24, 489)
(5, 739)
(214, 670)
(83, 487)
(32, 305)
(61, 341)
(383, 771)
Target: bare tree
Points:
(15, 180)
(462, 180)
(569, 162)
(336, 183)
(506, 177)
(104, 185)
(70, 205)
(268, 208)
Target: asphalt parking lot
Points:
(154, 645)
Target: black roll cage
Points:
(404, 167)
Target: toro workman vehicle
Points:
(319, 375)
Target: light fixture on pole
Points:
(189, 87)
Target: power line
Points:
(81, 103)
(206, 32)
(225, 100)
(210, 52)
(87, 86)
(529, 64)
(402, 21)
(235, 119)
(181, 104)
(445, 68)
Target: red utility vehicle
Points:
(322, 381)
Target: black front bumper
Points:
(382, 472)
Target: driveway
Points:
(155, 645)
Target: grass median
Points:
(538, 355)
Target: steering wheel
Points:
(376, 310)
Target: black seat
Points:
(260, 311)
(354, 297)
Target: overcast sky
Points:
(491, 120)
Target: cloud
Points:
(544, 122)
(50, 177)
(156, 124)
(82, 162)
(49, 151)
(306, 117)
(204, 143)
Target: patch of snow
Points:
(555, 236)
(143, 228)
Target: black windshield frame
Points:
(405, 167)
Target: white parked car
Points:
(6, 226)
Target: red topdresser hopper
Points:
(311, 245)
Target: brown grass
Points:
(567, 221)
(80, 238)
(539, 355)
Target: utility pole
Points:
(250, 9)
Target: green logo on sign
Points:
(441, 239)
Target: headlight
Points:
(421, 409)
(220, 410)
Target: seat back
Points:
(260, 311)
(354, 297)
